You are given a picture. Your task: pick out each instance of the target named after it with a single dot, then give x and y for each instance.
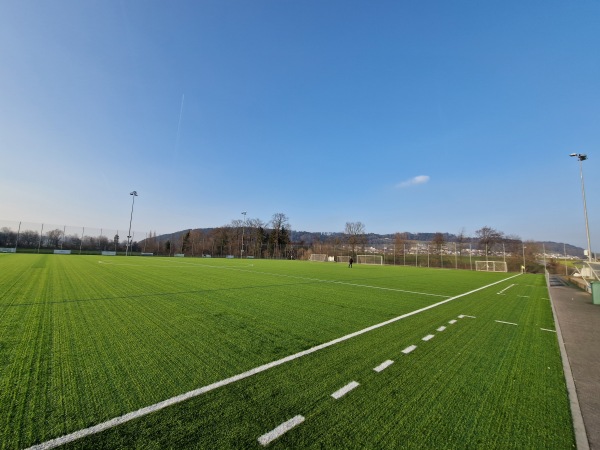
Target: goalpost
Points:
(491, 266)
(369, 259)
(321, 257)
(344, 259)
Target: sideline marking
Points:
(428, 337)
(267, 438)
(508, 323)
(407, 350)
(343, 391)
(210, 387)
(442, 328)
(383, 365)
(546, 329)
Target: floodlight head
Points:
(580, 156)
(134, 193)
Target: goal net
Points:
(344, 259)
(369, 259)
(491, 266)
(318, 257)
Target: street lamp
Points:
(133, 196)
(243, 229)
(582, 157)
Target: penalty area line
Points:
(218, 384)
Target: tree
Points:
(399, 243)
(53, 237)
(8, 238)
(279, 236)
(438, 242)
(488, 238)
(355, 235)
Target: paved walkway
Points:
(579, 324)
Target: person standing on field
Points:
(350, 261)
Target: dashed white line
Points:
(428, 337)
(384, 365)
(442, 328)
(343, 391)
(453, 321)
(407, 350)
(269, 437)
(508, 323)
(545, 329)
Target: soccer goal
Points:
(369, 259)
(318, 257)
(490, 266)
(344, 259)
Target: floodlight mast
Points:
(582, 157)
(243, 229)
(133, 196)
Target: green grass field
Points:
(85, 339)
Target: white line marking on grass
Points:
(429, 337)
(472, 317)
(442, 328)
(452, 322)
(546, 329)
(524, 296)
(269, 437)
(210, 387)
(508, 323)
(297, 277)
(384, 365)
(343, 391)
(505, 289)
(407, 350)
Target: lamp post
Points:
(243, 229)
(581, 158)
(133, 196)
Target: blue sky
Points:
(417, 116)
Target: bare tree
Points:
(53, 238)
(280, 235)
(399, 243)
(461, 238)
(488, 238)
(355, 234)
(438, 242)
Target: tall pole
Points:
(133, 196)
(523, 258)
(243, 230)
(582, 158)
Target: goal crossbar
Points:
(369, 259)
(491, 266)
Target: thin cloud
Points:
(419, 179)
